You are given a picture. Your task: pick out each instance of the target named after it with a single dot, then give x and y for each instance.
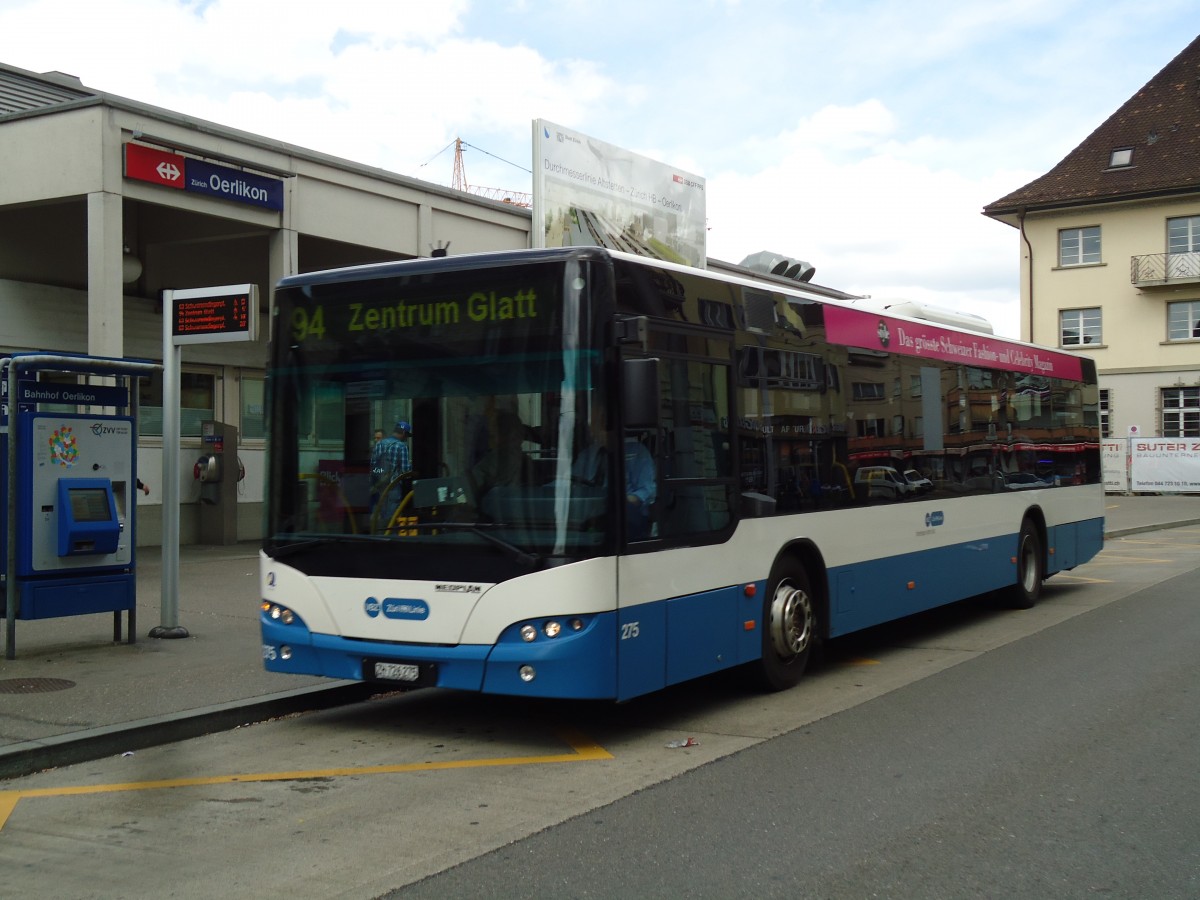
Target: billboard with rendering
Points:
(589, 193)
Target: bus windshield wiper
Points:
(482, 530)
(479, 529)
(517, 553)
(292, 549)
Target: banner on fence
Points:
(1114, 465)
(1164, 465)
(1151, 465)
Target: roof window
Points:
(1121, 157)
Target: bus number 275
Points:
(629, 630)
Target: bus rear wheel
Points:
(1030, 571)
(790, 627)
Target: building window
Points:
(1122, 156)
(1105, 408)
(1181, 412)
(1183, 234)
(253, 420)
(1183, 320)
(197, 402)
(870, 428)
(979, 379)
(868, 390)
(330, 418)
(1079, 246)
(1079, 326)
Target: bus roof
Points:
(419, 265)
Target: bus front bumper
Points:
(579, 664)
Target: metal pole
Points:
(135, 411)
(170, 627)
(10, 494)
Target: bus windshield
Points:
(441, 412)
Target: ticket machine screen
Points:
(89, 504)
(87, 521)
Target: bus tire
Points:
(1030, 568)
(790, 626)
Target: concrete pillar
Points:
(105, 246)
(425, 244)
(283, 259)
(284, 256)
(284, 251)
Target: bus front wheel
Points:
(1025, 593)
(790, 626)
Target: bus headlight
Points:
(526, 673)
(550, 629)
(278, 613)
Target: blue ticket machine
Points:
(69, 480)
(75, 496)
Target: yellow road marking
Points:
(1128, 561)
(861, 661)
(1081, 579)
(582, 750)
(8, 802)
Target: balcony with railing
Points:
(1162, 269)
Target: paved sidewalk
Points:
(1132, 514)
(73, 694)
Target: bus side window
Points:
(696, 434)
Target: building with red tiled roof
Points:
(1110, 254)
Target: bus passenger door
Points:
(641, 649)
(675, 402)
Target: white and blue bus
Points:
(626, 473)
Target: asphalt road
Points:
(973, 751)
(1061, 765)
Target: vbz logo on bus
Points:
(934, 519)
(396, 608)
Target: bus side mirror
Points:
(640, 393)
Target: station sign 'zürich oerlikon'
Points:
(197, 176)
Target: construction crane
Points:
(459, 183)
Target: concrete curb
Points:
(19, 760)
(1140, 529)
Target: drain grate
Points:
(34, 685)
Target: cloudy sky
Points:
(861, 135)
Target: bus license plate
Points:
(387, 671)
